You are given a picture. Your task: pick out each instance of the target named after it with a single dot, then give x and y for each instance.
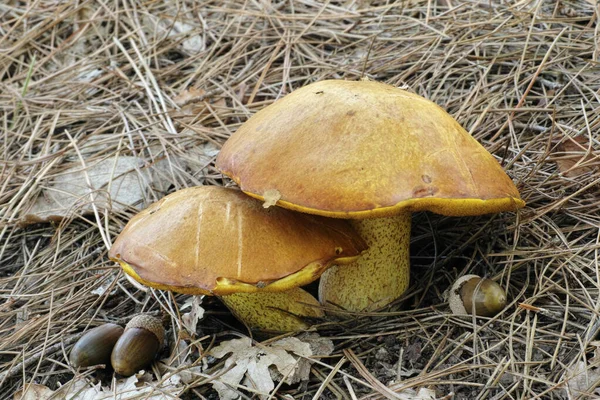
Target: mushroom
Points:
(372, 153)
(217, 241)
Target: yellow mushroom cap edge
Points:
(218, 241)
(364, 149)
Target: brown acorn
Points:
(471, 291)
(138, 346)
(95, 346)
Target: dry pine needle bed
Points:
(107, 106)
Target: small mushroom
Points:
(372, 153)
(95, 346)
(473, 294)
(216, 241)
(138, 345)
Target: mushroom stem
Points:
(274, 311)
(378, 277)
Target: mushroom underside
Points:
(259, 309)
(274, 311)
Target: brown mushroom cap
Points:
(365, 149)
(213, 240)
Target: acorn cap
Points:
(149, 323)
(218, 241)
(364, 149)
(455, 300)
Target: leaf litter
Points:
(138, 386)
(191, 318)
(111, 185)
(577, 156)
(258, 366)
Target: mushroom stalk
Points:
(274, 311)
(377, 278)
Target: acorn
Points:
(95, 346)
(485, 295)
(138, 346)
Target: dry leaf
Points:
(199, 158)
(196, 313)
(317, 346)
(182, 360)
(580, 379)
(259, 366)
(206, 153)
(189, 95)
(574, 159)
(193, 101)
(33, 391)
(135, 387)
(424, 394)
(193, 43)
(115, 185)
(101, 290)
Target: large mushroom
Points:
(216, 241)
(372, 153)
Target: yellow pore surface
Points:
(213, 240)
(365, 149)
